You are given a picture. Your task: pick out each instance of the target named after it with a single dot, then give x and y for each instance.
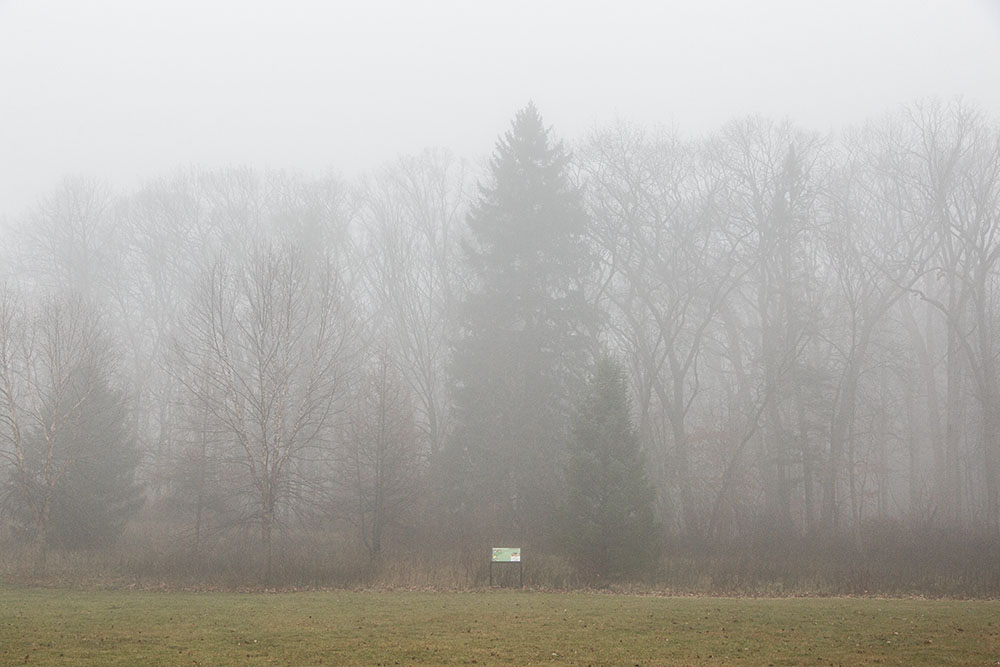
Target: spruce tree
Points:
(610, 527)
(523, 339)
(76, 486)
(97, 493)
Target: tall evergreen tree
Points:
(523, 340)
(611, 531)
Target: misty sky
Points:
(125, 90)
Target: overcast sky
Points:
(128, 89)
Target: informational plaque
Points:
(507, 555)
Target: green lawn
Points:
(66, 627)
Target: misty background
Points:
(704, 296)
(123, 91)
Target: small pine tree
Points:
(611, 530)
(97, 493)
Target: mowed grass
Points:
(67, 627)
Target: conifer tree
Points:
(523, 338)
(611, 531)
(98, 492)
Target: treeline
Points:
(758, 360)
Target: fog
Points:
(124, 91)
(696, 296)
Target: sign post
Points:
(507, 555)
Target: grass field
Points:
(49, 626)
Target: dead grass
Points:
(66, 627)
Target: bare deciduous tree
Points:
(379, 459)
(411, 212)
(268, 349)
(54, 372)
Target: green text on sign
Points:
(506, 555)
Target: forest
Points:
(760, 360)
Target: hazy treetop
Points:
(120, 89)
